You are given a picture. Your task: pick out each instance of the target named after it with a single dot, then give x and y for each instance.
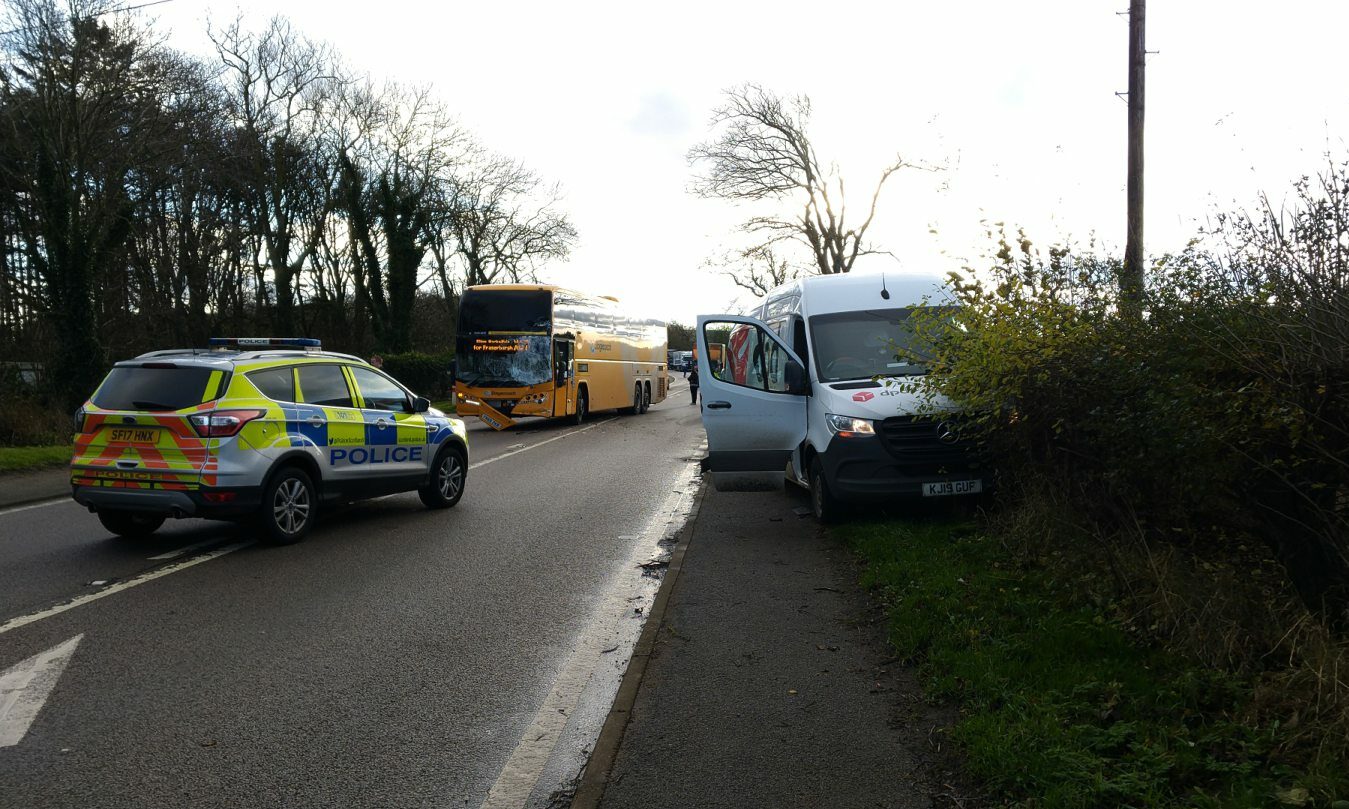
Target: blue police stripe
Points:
(374, 436)
(317, 434)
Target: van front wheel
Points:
(822, 502)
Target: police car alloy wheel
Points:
(289, 506)
(448, 477)
(130, 524)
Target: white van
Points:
(808, 384)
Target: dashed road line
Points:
(135, 581)
(157, 573)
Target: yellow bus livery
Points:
(543, 350)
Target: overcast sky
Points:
(1015, 100)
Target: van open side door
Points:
(754, 391)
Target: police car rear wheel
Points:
(289, 506)
(130, 524)
(447, 480)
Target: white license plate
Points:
(946, 487)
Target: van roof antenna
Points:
(885, 293)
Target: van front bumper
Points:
(862, 469)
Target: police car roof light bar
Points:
(245, 343)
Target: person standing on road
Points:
(693, 384)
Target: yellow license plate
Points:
(138, 435)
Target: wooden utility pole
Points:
(1131, 278)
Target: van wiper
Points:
(141, 404)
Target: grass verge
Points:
(22, 459)
(1060, 706)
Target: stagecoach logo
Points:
(863, 396)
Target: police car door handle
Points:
(317, 420)
(381, 423)
(718, 405)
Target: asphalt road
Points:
(398, 657)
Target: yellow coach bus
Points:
(541, 350)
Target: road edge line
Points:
(595, 776)
(36, 502)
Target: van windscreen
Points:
(866, 344)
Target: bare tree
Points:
(279, 86)
(763, 153)
(756, 269)
(80, 103)
(392, 175)
(503, 221)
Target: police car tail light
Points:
(222, 423)
(80, 420)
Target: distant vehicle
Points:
(541, 350)
(256, 428)
(681, 360)
(808, 386)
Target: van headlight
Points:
(849, 427)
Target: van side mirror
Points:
(798, 383)
(421, 404)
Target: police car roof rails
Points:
(261, 343)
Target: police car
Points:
(257, 428)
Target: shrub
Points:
(1194, 459)
(426, 374)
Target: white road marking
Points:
(496, 458)
(196, 546)
(520, 775)
(24, 620)
(42, 504)
(32, 617)
(25, 686)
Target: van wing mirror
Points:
(798, 382)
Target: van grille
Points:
(916, 442)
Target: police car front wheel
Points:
(448, 476)
(289, 506)
(129, 524)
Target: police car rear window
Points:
(277, 384)
(163, 387)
